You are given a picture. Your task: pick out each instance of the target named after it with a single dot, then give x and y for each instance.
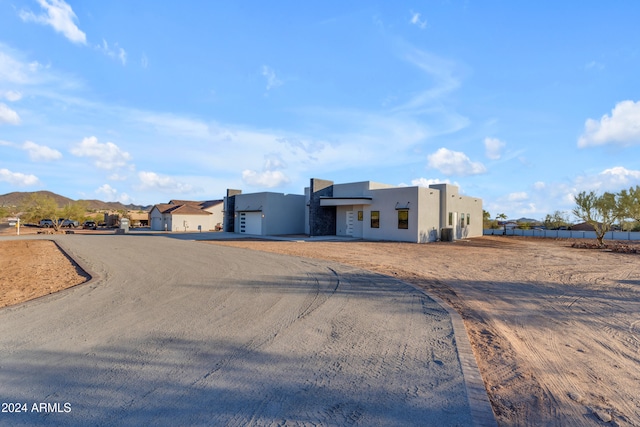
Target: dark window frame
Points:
(375, 219)
(403, 223)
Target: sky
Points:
(522, 104)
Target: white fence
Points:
(563, 234)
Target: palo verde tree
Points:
(556, 220)
(629, 201)
(600, 211)
(40, 206)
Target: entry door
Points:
(349, 231)
(251, 222)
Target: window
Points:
(450, 218)
(461, 220)
(403, 219)
(468, 218)
(360, 216)
(375, 219)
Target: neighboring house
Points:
(264, 213)
(184, 215)
(366, 210)
(583, 226)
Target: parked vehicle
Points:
(46, 223)
(89, 225)
(70, 223)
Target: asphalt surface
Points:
(176, 332)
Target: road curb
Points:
(479, 404)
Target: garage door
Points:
(251, 222)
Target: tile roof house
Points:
(186, 215)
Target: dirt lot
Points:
(555, 330)
(32, 268)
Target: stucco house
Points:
(366, 210)
(265, 213)
(185, 215)
(375, 211)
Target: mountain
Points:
(16, 198)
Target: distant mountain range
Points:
(16, 198)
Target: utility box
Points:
(447, 235)
(124, 225)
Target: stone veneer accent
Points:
(322, 220)
(230, 210)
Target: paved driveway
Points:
(176, 332)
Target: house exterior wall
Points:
(284, 214)
(190, 222)
(217, 215)
(385, 201)
(281, 213)
(453, 205)
(156, 222)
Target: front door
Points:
(349, 231)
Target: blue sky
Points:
(522, 104)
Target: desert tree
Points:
(4, 212)
(74, 210)
(502, 217)
(629, 201)
(556, 220)
(487, 222)
(39, 206)
(599, 211)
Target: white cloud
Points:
(539, 185)
(166, 184)
(172, 124)
(17, 178)
(110, 194)
(144, 61)
(270, 176)
(416, 19)
(441, 70)
(424, 182)
(270, 75)
(454, 163)
(7, 115)
(40, 152)
(518, 196)
(493, 148)
(613, 180)
(11, 95)
(107, 192)
(621, 127)
(116, 53)
(60, 17)
(267, 179)
(106, 156)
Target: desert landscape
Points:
(555, 329)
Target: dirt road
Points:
(174, 332)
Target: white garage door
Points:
(251, 222)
